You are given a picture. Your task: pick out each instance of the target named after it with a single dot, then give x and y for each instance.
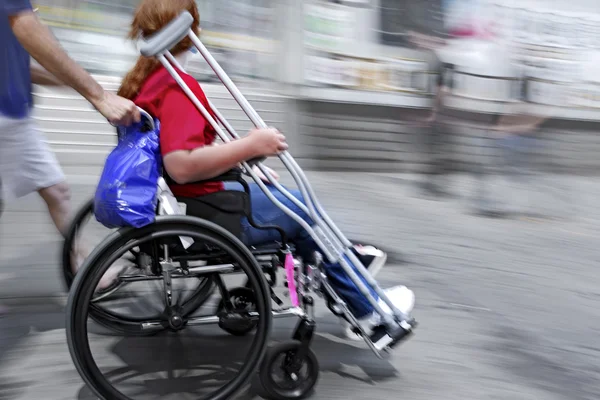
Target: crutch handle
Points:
(166, 38)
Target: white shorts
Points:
(27, 164)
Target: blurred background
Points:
(418, 121)
(325, 70)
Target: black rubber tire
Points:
(273, 390)
(111, 248)
(248, 296)
(119, 323)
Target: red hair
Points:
(150, 17)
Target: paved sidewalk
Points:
(508, 308)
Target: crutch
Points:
(334, 245)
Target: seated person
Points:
(186, 140)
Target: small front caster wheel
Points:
(284, 375)
(237, 321)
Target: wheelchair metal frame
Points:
(334, 245)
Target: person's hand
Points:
(117, 110)
(262, 176)
(267, 142)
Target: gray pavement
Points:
(508, 308)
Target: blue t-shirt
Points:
(15, 75)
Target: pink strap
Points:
(289, 272)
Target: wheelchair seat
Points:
(225, 208)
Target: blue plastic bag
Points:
(127, 192)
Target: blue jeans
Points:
(265, 212)
(517, 151)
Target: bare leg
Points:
(58, 200)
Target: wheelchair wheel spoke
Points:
(135, 252)
(168, 288)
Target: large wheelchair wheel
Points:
(80, 228)
(175, 354)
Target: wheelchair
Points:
(223, 208)
(205, 249)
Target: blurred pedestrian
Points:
(516, 136)
(426, 30)
(27, 164)
(437, 137)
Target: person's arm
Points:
(205, 162)
(188, 158)
(529, 125)
(519, 123)
(40, 76)
(39, 42)
(257, 171)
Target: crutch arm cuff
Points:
(167, 37)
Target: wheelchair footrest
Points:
(384, 339)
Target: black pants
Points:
(437, 146)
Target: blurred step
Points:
(61, 90)
(83, 174)
(80, 157)
(81, 138)
(56, 124)
(270, 109)
(354, 165)
(92, 147)
(67, 113)
(61, 100)
(357, 154)
(374, 138)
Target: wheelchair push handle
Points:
(145, 115)
(167, 37)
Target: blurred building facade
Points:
(342, 77)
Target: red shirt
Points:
(182, 126)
